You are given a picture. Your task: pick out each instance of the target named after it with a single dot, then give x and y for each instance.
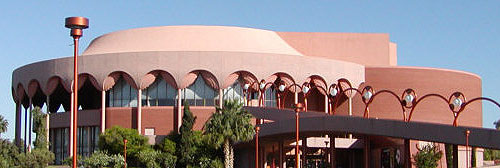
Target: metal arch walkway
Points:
(311, 122)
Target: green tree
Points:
(428, 156)
(3, 125)
(228, 125)
(112, 141)
(187, 140)
(40, 128)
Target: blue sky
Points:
(461, 35)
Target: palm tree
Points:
(228, 125)
(3, 125)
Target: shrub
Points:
(151, 159)
(69, 161)
(37, 158)
(112, 141)
(8, 153)
(428, 156)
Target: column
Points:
(18, 124)
(455, 156)
(139, 111)
(71, 128)
(281, 152)
(296, 97)
(304, 152)
(103, 111)
(407, 154)
(264, 157)
(30, 124)
(179, 109)
(25, 128)
(326, 103)
(350, 110)
(221, 98)
(333, 161)
(366, 151)
(47, 119)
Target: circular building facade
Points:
(141, 78)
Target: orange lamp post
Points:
(76, 24)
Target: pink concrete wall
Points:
(122, 116)
(424, 81)
(370, 49)
(160, 118)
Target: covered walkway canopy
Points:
(314, 123)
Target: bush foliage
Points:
(428, 156)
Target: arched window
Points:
(160, 93)
(199, 93)
(270, 97)
(234, 92)
(122, 95)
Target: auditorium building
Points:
(140, 78)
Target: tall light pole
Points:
(298, 108)
(125, 153)
(257, 129)
(76, 24)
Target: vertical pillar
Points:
(407, 154)
(281, 154)
(30, 130)
(326, 103)
(103, 111)
(71, 127)
(350, 110)
(47, 119)
(366, 151)
(139, 111)
(455, 156)
(296, 97)
(18, 123)
(25, 129)
(333, 161)
(221, 97)
(304, 152)
(179, 109)
(264, 157)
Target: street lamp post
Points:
(257, 129)
(125, 153)
(298, 108)
(76, 24)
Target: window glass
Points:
(199, 93)
(234, 92)
(122, 95)
(270, 97)
(159, 93)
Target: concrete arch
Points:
(319, 82)
(286, 78)
(52, 84)
(113, 77)
(209, 78)
(83, 77)
(21, 93)
(33, 87)
(151, 76)
(245, 76)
